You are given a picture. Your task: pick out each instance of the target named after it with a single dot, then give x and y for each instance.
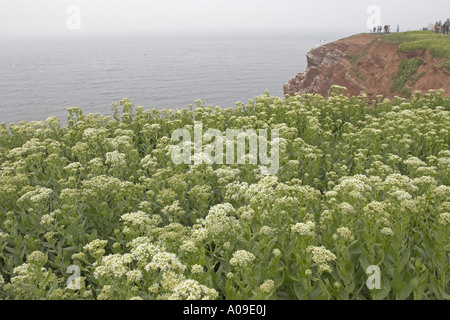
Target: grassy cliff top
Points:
(437, 44)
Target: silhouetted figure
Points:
(398, 28)
(446, 26)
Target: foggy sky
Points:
(49, 17)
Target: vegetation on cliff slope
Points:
(406, 74)
(437, 44)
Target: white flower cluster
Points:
(226, 175)
(414, 162)
(267, 231)
(267, 286)
(69, 194)
(143, 249)
(263, 191)
(92, 134)
(36, 257)
(441, 192)
(321, 254)
(164, 262)
(36, 196)
(219, 225)
(149, 162)
(196, 269)
(376, 211)
(47, 219)
(136, 219)
(356, 184)
(189, 246)
(304, 229)
(134, 275)
(116, 159)
(346, 208)
(345, 233)
(74, 166)
(121, 142)
(96, 247)
(444, 218)
(242, 258)
(387, 231)
(401, 195)
(398, 181)
(113, 265)
(173, 210)
(190, 289)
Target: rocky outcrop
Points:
(366, 64)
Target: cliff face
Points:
(365, 63)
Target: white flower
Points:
(324, 267)
(37, 195)
(192, 290)
(276, 252)
(116, 159)
(242, 258)
(387, 231)
(267, 286)
(219, 225)
(304, 229)
(136, 219)
(401, 195)
(321, 254)
(346, 208)
(197, 269)
(112, 265)
(134, 275)
(444, 218)
(345, 233)
(267, 231)
(46, 219)
(164, 262)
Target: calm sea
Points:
(41, 77)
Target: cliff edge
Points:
(375, 64)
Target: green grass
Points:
(437, 44)
(405, 74)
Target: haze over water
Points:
(41, 77)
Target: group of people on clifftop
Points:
(438, 28)
(442, 27)
(386, 29)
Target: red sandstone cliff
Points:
(364, 63)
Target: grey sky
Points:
(49, 17)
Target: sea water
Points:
(42, 77)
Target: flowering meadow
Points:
(360, 183)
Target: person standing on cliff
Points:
(398, 28)
(446, 26)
